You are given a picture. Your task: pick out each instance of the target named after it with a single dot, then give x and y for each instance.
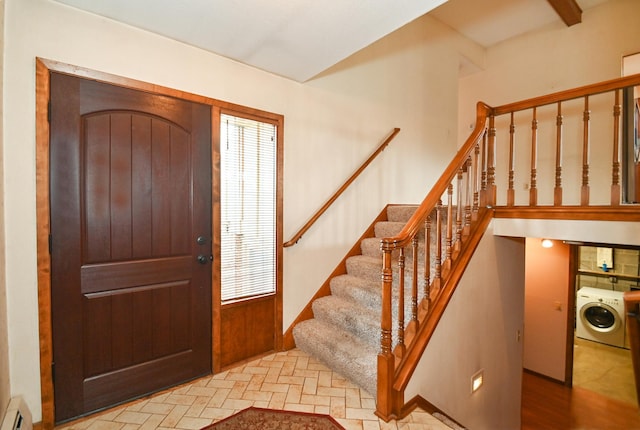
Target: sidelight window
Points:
(248, 164)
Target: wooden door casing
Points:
(130, 194)
(44, 69)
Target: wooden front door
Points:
(130, 242)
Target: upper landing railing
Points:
(556, 156)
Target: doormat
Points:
(271, 419)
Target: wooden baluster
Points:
(584, 192)
(615, 182)
(459, 208)
(511, 190)
(491, 163)
(449, 237)
(400, 348)
(476, 188)
(483, 181)
(438, 272)
(469, 193)
(414, 281)
(557, 191)
(533, 190)
(427, 262)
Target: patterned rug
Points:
(271, 419)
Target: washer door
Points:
(600, 317)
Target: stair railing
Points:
(296, 237)
(447, 225)
(454, 214)
(632, 309)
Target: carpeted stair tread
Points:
(360, 321)
(366, 293)
(340, 351)
(363, 266)
(388, 228)
(371, 247)
(369, 269)
(400, 213)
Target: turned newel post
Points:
(386, 363)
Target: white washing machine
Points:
(600, 316)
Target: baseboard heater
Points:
(17, 416)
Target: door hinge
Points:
(53, 372)
(50, 244)
(49, 111)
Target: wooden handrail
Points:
(632, 310)
(416, 221)
(561, 96)
(337, 194)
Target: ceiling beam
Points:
(568, 10)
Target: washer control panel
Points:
(608, 301)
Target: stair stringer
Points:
(390, 398)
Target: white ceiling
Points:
(298, 39)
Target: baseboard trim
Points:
(422, 403)
(548, 378)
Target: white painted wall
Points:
(332, 124)
(479, 331)
(5, 388)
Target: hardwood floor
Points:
(549, 405)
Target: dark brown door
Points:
(130, 243)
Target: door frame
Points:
(43, 69)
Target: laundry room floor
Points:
(604, 369)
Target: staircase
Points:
(379, 318)
(345, 330)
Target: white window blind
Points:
(248, 207)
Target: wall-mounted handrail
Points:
(337, 194)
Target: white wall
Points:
(479, 331)
(5, 389)
(332, 124)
